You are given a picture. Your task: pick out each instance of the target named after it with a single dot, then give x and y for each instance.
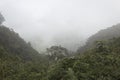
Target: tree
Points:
(57, 52)
(70, 75)
(101, 47)
(2, 19)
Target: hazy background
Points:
(63, 22)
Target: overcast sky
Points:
(45, 21)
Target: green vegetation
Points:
(56, 53)
(105, 34)
(19, 61)
(99, 63)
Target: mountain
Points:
(15, 45)
(105, 34)
(18, 60)
(100, 63)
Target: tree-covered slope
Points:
(15, 45)
(18, 60)
(105, 34)
(100, 63)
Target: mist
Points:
(59, 22)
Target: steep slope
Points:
(15, 45)
(18, 60)
(105, 34)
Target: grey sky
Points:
(48, 20)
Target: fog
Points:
(59, 22)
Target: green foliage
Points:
(19, 61)
(56, 53)
(102, 35)
(15, 45)
(100, 63)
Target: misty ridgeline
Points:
(97, 59)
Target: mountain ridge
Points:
(104, 34)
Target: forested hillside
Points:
(105, 34)
(15, 45)
(19, 61)
(100, 63)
